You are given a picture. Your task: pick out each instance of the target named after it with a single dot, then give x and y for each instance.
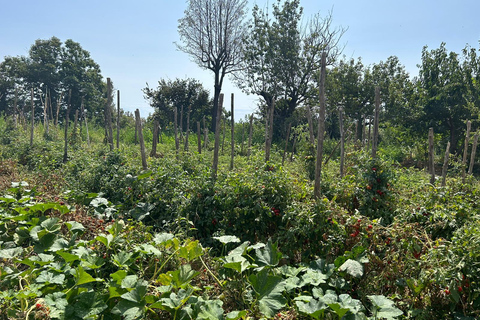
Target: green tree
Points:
(445, 93)
(281, 56)
(177, 94)
(211, 32)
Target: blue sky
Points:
(133, 41)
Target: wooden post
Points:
(205, 135)
(59, 101)
(286, 142)
(465, 151)
(175, 121)
(250, 133)
(232, 155)
(445, 165)
(293, 146)
(199, 138)
(84, 112)
(155, 139)
(243, 139)
(32, 117)
(431, 159)
(217, 138)
(65, 150)
(364, 129)
(138, 122)
(369, 131)
(268, 131)
(181, 124)
(118, 119)
(321, 128)
(75, 123)
(474, 151)
(45, 113)
(108, 115)
(188, 128)
(342, 140)
(310, 126)
(375, 124)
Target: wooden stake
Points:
(108, 115)
(138, 122)
(342, 140)
(321, 128)
(474, 151)
(250, 136)
(465, 151)
(188, 128)
(431, 159)
(232, 154)
(217, 138)
(199, 138)
(118, 119)
(376, 121)
(65, 150)
(32, 118)
(445, 165)
(286, 142)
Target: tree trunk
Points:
(321, 128)
(138, 122)
(217, 140)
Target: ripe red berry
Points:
(446, 291)
(460, 289)
(38, 305)
(370, 227)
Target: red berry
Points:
(446, 291)
(38, 305)
(370, 227)
(460, 289)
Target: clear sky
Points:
(133, 41)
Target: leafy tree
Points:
(176, 94)
(54, 67)
(446, 102)
(211, 32)
(282, 56)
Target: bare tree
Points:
(211, 32)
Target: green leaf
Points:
(161, 238)
(235, 315)
(314, 308)
(352, 267)
(86, 305)
(313, 278)
(118, 276)
(75, 227)
(123, 259)
(173, 301)
(236, 262)
(178, 278)
(210, 310)
(68, 257)
(99, 202)
(269, 255)
(82, 277)
(129, 281)
(191, 250)
(144, 175)
(10, 253)
(50, 277)
(384, 308)
(227, 239)
(105, 239)
(268, 289)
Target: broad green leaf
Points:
(352, 267)
(50, 277)
(268, 255)
(129, 310)
(322, 266)
(236, 262)
(292, 283)
(384, 308)
(86, 305)
(389, 313)
(240, 250)
(57, 302)
(137, 294)
(82, 277)
(68, 257)
(75, 227)
(289, 271)
(178, 278)
(235, 315)
(173, 301)
(98, 202)
(105, 239)
(313, 278)
(118, 276)
(123, 259)
(191, 250)
(148, 249)
(10, 253)
(59, 244)
(51, 225)
(210, 310)
(227, 239)
(144, 175)
(161, 238)
(313, 308)
(129, 281)
(268, 289)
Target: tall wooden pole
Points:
(375, 123)
(465, 151)
(217, 138)
(431, 159)
(445, 165)
(65, 150)
(250, 133)
(232, 154)
(32, 117)
(188, 128)
(118, 119)
(138, 122)
(108, 115)
(321, 128)
(474, 151)
(342, 141)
